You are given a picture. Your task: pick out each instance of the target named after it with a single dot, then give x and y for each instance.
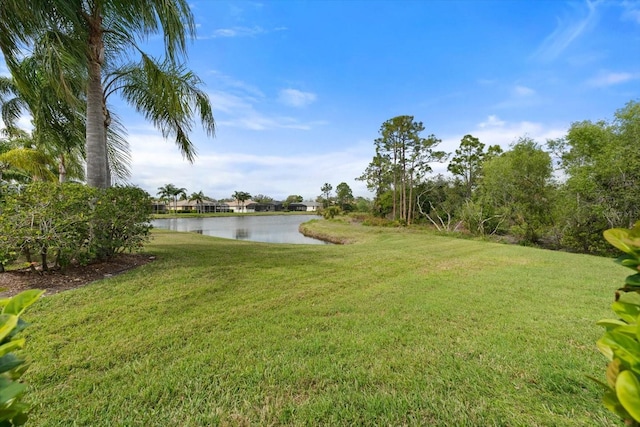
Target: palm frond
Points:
(33, 162)
(168, 96)
(118, 151)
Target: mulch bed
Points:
(74, 276)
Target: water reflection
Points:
(270, 229)
(242, 234)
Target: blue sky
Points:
(300, 88)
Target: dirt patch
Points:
(75, 276)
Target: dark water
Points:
(270, 229)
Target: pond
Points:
(269, 229)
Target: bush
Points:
(72, 222)
(121, 221)
(374, 221)
(331, 212)
(12, 409)
(620, 343)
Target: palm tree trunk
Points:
(96, 149)
(62, 170)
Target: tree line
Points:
(560, 193)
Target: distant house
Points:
(183, 206)
(297, 207)
(238, 207)
(265, 207)
(159, 207)
(312, 206)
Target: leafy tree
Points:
(294, 198)
(344, 196)
(602, 162)
(326, 193)
(403, 156)
(440, 200)
(91, 37)
(363, 204)
(517, 186)
(261, 198)
(378, 180)
(467, 161)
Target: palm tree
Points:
(241, 197)
(198, 197)
(58, 128)
(19, 162)
(171, 192)
(94, 36)
(167, 95)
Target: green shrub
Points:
(12, 409)
(121, 221)
(72, 222)
(620, 342)
(374, 221)
(331, 212)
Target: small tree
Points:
(326, 193)
(344, 196)
(517, 184)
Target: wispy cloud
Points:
(296, 98)
(605, 79)
(567, 31)
(523, 91)
(631, 11)
(241, 113)
(239, 31)
(230, 83)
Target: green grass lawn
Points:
(397, 328)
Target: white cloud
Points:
(156, 162)
(239, 32)
(566, 32)
(296, 98)
(492, 121)
(494, 131)
(523, 91)
(232, 32)
(605, 79)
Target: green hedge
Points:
(71, 222)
